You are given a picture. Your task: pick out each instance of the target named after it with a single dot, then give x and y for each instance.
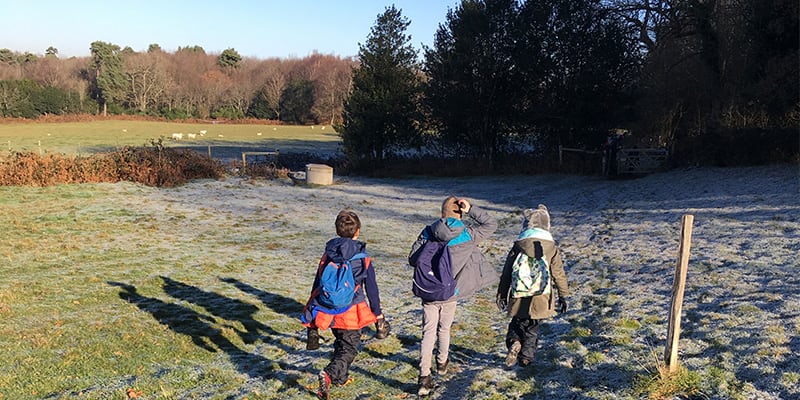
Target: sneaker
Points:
(425, 385)
(441, 369)
(513, 351)
(312, 341)
(324, 385)
(347, 381)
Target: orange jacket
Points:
(357, 316)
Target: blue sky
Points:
(262, 29)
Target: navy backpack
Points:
(433, 272)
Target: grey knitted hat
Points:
(536, 218)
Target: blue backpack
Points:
(337, 286)
(433, 272)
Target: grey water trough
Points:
(315, 174)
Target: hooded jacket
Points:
(471, 270)
(535, 229)
(359, 314)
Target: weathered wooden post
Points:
(678, 287)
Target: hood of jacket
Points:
(340, 249)
(528, 239)
(450, 230)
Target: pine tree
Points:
(381, 113)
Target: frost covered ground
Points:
(741, 322)
(194, 292)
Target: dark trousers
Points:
(345, 349)
(525, 331)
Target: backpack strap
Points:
(323, 261)
(359, 256)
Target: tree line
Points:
(713, 81)
(187, 83)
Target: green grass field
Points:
(69, 318)
(96, 136)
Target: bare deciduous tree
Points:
(148, 80)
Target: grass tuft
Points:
(658, 383)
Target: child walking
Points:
(470, 268)
(529, 302)
(345, 321)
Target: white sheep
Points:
(191, 135)
(177, 136)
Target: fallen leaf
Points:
(133, 393)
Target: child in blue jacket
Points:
(346, 322)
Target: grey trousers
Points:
(436, 321)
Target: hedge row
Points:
(153, 166)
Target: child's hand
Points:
(464, 205)
(501, 302)
(562, 305)
(382, 328)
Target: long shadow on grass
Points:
(222, 307)
(198, 327)
(280, 304)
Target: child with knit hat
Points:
(526, 307)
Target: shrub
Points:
(152, 166)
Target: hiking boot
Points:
(513, 351)
(324, 385)
(312, 340)
(425, 385)
(382, 329)
(441, 369)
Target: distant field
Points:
(225, 140)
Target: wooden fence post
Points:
(678, 287)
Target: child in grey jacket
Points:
(471, 270)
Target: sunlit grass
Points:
(102, 135)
